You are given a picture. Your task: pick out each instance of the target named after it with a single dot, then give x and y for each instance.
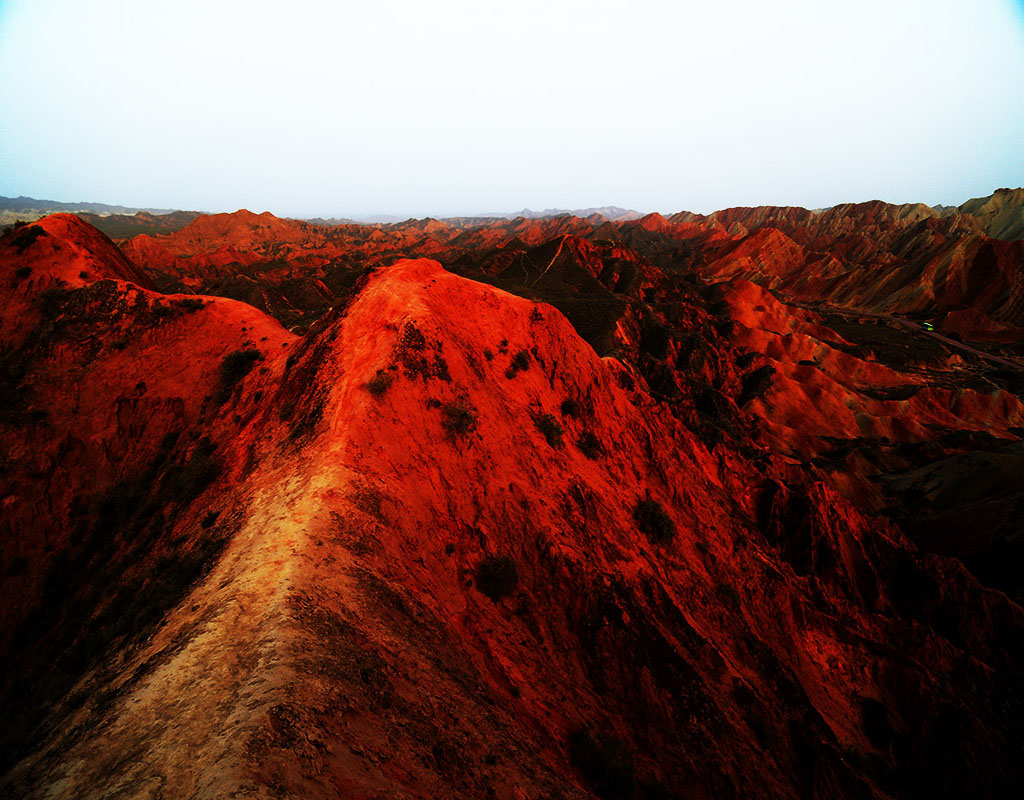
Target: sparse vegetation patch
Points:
(458, 418)
(233, 369)
(379, 383)
(413, 352)
(653, 520)
(550, 428)
(26, 236)
(570, 408)
(190, 303)
(590, 446)
(520, 363)
(497, 577)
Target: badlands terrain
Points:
(720, 506)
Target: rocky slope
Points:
(593, 511)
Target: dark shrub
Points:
(458, 418)
(209, 520)
(418, 358)
(411, 339)
(369, 500)
(653, 520)
(548, 425)
(570, 408)
(520, 363)
(235, 366)
(22, 272)
(496, 577)
(190, 303)
(604, 762)
(379, 383)
(590, 446)
(488, 354)
(26, 237)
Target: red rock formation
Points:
(440, 547)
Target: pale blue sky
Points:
(332, 108)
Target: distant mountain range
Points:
(1000, 215)
(30, 208)
(123, 220)
(29, 204)
(611, 213)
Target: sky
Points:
(310, 108)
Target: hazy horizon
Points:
(386, 218)
(331, 110)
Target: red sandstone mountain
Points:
(595, 511)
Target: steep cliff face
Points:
(440, 547)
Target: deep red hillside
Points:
(882, 259)
(49, 256)
(217, 240)
(653, 292)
